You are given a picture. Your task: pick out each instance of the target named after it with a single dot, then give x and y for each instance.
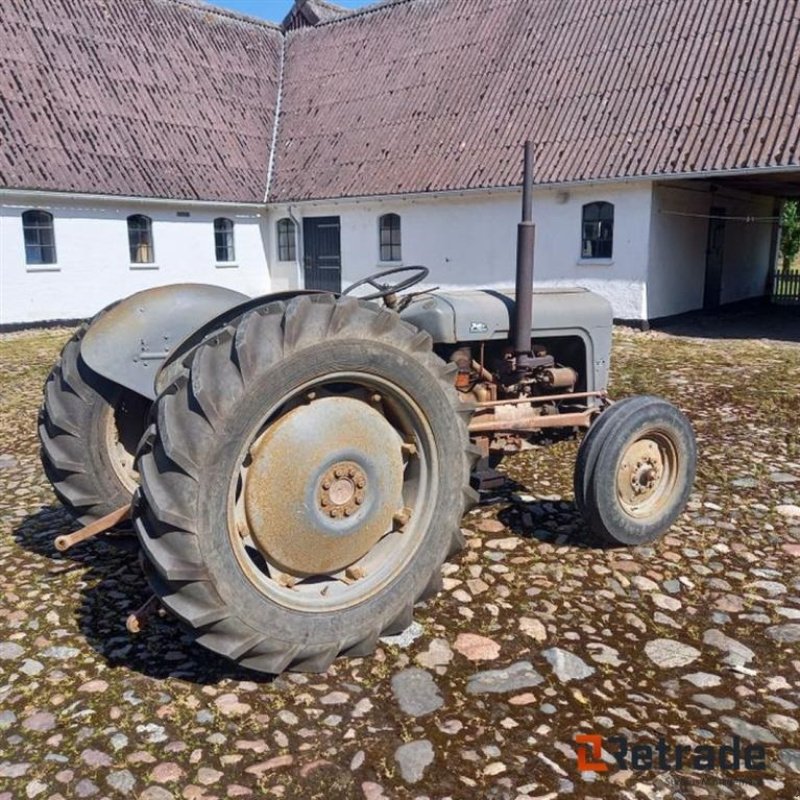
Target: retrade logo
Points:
(661, 756)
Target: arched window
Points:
(598, 230)
(286, 245)
(223, 239)
(140, 239)
(40, 240)
(389, 225)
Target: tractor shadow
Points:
(555, 522)
(105, 575)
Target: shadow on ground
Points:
(555, 522)
(776, 323)
(106, 572)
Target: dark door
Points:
(714, 259)
(322, 253)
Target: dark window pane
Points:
(140, 239)
(223, 239)
(286, 243)
(390, 237)
(597, 230)
(39, 237)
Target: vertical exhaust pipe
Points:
(526, 237)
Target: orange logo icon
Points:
(590, 744)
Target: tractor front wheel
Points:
(303, 483)
(635, 472)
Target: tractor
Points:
(296, 466)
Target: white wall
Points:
(679, 239)
(747, 245)
(470, 240)
(676, 275)
(94, 268)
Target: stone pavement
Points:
(538, 636)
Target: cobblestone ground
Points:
(538, 637)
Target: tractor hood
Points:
(484, 314)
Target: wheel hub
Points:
(641, 474)
(343, 489)
(324, 483)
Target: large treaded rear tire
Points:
(188, 460)
(77, 452)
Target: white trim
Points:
(111, 198)
(595, 262)
(144, 266)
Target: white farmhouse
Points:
(145, 142)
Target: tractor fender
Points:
(128, 342)
(171, 365)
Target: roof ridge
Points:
(332, 6)
(208, 8)
(359, 12)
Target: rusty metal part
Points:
(529, 420)
(323, 485)
(137, 620)
(101, 525)
(547, 398)
(342, 490)
(560, 377)
(648, 471)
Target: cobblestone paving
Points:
(538, 637)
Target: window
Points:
(140, 239)
(390, 237)
(223, 239)
(40, 240)
(598, 230)
(286, 245)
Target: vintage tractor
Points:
(296, 466)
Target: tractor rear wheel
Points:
(89, 429)
(303, 483)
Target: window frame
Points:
(286, 239)
(38, 226)
(601, 244)
(391, 250)
(224, 227)
(147, 241)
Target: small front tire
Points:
(644, 466)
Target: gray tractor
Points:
(296, 466)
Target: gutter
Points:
(110, 198)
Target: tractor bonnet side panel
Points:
(484, 315)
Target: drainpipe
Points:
(298, 249)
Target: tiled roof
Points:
(424, 95)
(156, 98)
(170, 98)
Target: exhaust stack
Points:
(526, 237)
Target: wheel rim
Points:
(124, 425)
(647, 474)
(333, 492)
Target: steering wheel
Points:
(385, 290)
